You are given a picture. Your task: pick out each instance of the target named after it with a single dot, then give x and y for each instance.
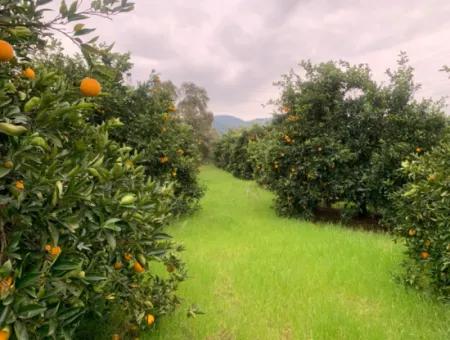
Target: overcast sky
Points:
(237, 48)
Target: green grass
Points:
(259, 276)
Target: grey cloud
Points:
(236, 49)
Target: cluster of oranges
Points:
(423, 254)
(53, 251)
(137, 267)
(89, 87)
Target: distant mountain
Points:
(223, 123)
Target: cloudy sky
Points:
(237, 48)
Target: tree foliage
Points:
(84, 196)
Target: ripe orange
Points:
(424, 255)
(127, 256)
(163, 159)
(419, 150)
(137, 267)
(6, 51)
(118, 265)
(48, 248)
(55, 251)
(20, 185)
(150, 319)
(115, 337)
(5, 333)
(90, 87)
(29, 73)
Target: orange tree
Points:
(170, 151)
(80, 220)
(421, 216)
(231, 151)
(341, 138)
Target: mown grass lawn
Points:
(259, 276)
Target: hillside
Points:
(223, 123)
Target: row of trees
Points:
(340, 139)
(91, 171)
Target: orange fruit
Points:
(29, 73)
(127, 256)
(90, 87)
(163, 159)
(20, 185)
(115, 337)
(6, 51)
(118, 265)
(5, 333)
(48, 248)
(137, 267)
(419, 150)
(55, 251)
(424, 255)
(412, 232)
(149, 319)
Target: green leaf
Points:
(42, 2)
(4, 172)
(27, 280)
(111, 240)
(20, 330)
(84, 31)
(63, 9)
(30, 310)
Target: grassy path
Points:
(259, 276)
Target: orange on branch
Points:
(424, 255)
(6, 51)
(29, 73)
(55, 251)
(149, 319)
(137, 267)
(20, 185)
(90, 87)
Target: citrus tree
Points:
(81, 222)
(340, 137)
(231, 152)
(421, 216)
